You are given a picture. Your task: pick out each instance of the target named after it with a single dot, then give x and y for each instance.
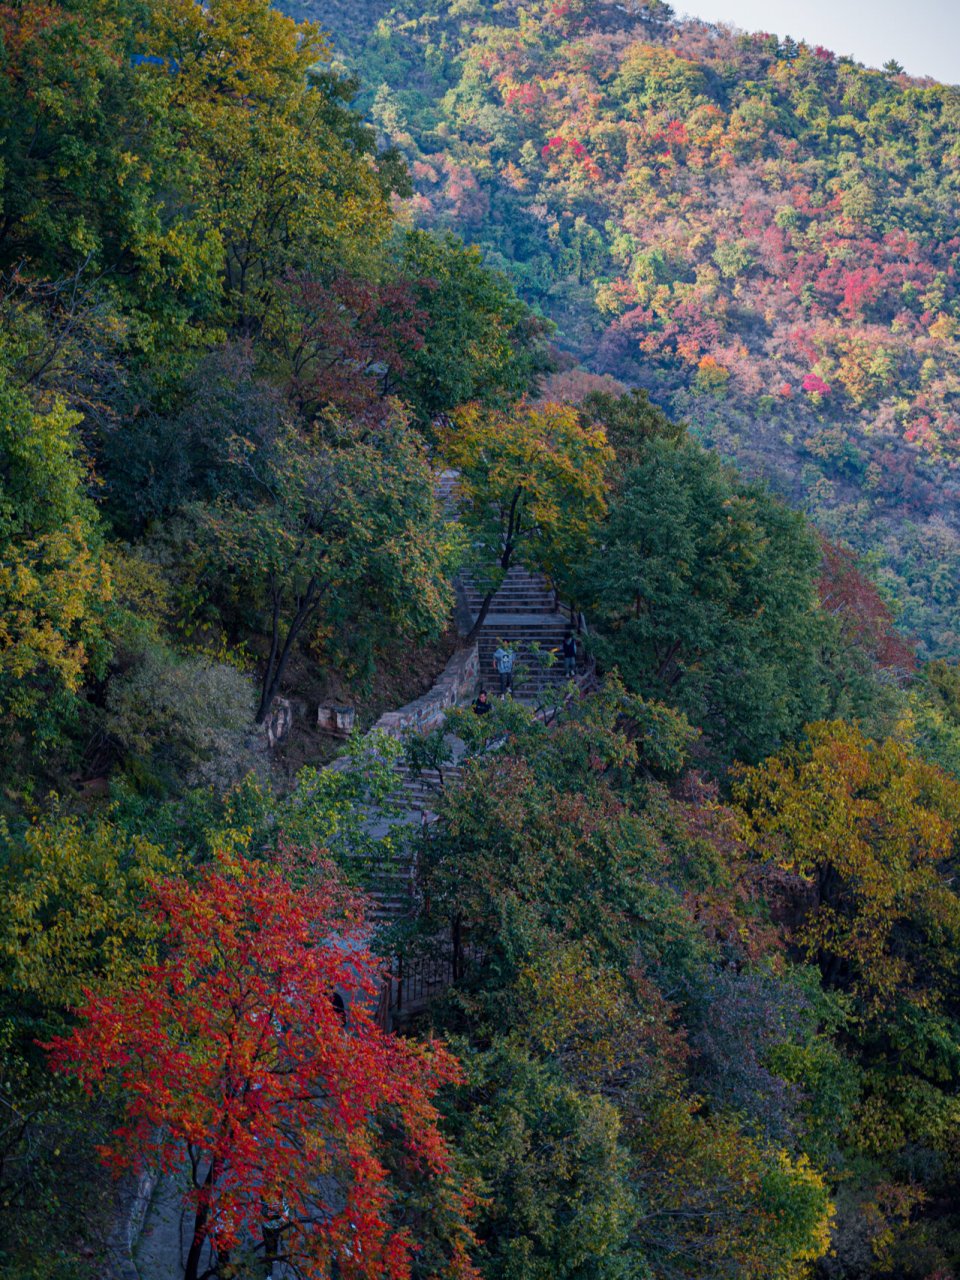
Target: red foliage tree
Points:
(346, 341)
(865, 619)
(298, 1125)
(814, 385)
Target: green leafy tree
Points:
(704, 593)
(184, 160)
(343, 526)
(50, 1187)
(480, 341)
(163, 460)
(572, 904)
(552, 1174)
(91, 180)
(873, 829)
(71, 911)
(630, 421)
(279, 169)
(934, 715)
(182, 718)
(53, 581)
(868, 833)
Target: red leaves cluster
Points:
(814, 385)
(673, 135)
(523, 97)
(347, 340)
(234, 1063)
(865, 619)
(725, 906)
(557, 145)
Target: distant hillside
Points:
(763, 234)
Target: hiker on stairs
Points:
(569, 654)
(503, 664)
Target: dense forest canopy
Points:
(278, 390)
(761, 233)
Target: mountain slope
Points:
(763, 235)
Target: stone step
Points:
(526, 638)
(529, 587)
(518, 609)
(516, 604)
(525, 646)
(522, 615)
(518, 645)
(535, 590)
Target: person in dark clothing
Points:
(569, 654)
(482, 704)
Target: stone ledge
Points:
(455, 683)
(134, 1196)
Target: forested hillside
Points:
(762, 234)
(648, 968)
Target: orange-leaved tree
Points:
(532, 485)
(304, 1130)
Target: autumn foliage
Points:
(864, 617)
(675, 988)
(871, 830)
(734, 221)
(236, 1068)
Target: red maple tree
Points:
(346, 341)
(865, 618)
(301, 1124)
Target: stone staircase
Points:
(522, 615)
(391, 879)
(445, 488)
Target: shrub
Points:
(186, 716)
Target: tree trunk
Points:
(191, 1270)
(509, 544)
(663, 670)
(276, 666)
(271, 1247)
(481, 616)
(456, 940)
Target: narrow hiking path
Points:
(523, 616)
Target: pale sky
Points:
(922, 35)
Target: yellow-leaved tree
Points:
(874, 832)
(53, 579)
(869, 834)
(531, 488)
(71, 912)
(275, 166)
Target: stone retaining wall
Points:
(134, 1195)
(455, 684)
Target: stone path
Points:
(524, 617)
(165, 1239)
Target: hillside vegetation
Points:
(761, 233)
(686, 926)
